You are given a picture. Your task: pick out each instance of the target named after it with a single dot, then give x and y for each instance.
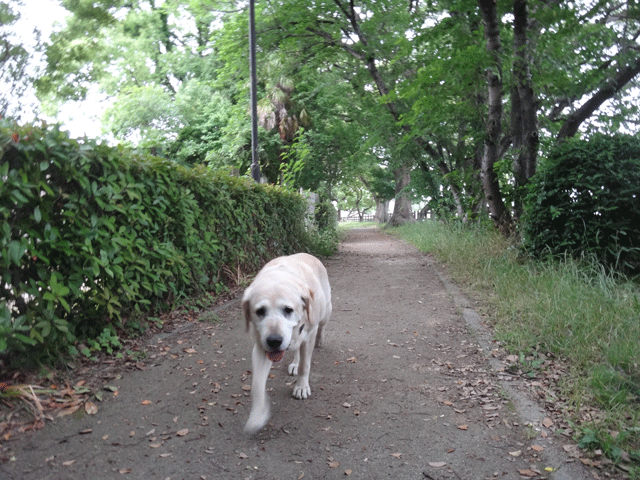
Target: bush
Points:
(586, 201)
(323, 233)
(92, 234)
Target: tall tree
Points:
(524, 126)
(15, 75)
(497, 208)
(471, 89)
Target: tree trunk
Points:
(455, 191)
(402, 209)
(491, 154)
(382, 211)
(524, 128)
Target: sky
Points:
(79, 118)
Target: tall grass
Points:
(573, 309)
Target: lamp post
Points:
(255, 163)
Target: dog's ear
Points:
(246, 308)
(307, 305)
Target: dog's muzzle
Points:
(274, 342)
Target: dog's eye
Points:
(261, 312)
(287, 311)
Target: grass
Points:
(351, 225)
(573, 310)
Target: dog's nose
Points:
(274, 341)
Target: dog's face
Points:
(278, 313)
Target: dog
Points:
(286, 308)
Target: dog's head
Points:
(278, 308)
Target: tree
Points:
(381, 184)
(353, 196)
(15, 74)
(603, 43)
(465, 93)
(497, 208)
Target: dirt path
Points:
(403, 388)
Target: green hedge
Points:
(92, 233)
(585, 200)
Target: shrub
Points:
(585, 200)
(323, 233)
(91, 234)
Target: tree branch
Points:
(571, 125)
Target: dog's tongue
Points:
(276, 356)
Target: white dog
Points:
(286, 306)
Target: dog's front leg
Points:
(302, 388)
(293, 366)
(259, 400)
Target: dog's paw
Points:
(293, 369)
(257, 420)
(302, 391)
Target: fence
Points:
(420, 215)
(356, 218)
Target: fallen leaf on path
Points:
(189, 350)
(527, 473)
(572, 450)
(84, 432)
(183, 432)
(463, 427)
(396, 455)
(124, 471)
(334, 464)
(348, 471)
(437, 464)
(346, 405)
(517, 453)
(165, 455)
(91, 408)
(146, 402)
(68, 411)
(155, 445)
(68, 463)
(537, 448)
(243, 455)
(547, 422)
